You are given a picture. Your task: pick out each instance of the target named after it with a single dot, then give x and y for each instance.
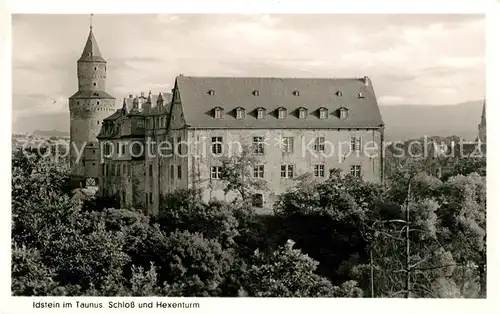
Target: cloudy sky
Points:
(411, 59)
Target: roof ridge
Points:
(272, 77)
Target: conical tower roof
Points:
(483, 114)
(91, 50)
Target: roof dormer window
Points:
(256, 93)
(240, 113)
(323, 113)
(261, 113)
(343, 113)
(281, 113)
(361, 95)
(218, 113)
(296, 93)
(339, 93)
(302, 113)
(211, 92)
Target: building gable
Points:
(177, 117)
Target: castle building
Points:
(293, 127)
(123, 140)
(88, 107)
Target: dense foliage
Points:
(338, 238)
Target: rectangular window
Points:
(319, 144)
(319, 171)
(258, 171)
(215, 172)
(179, 145)
(258, 145)
(322, 114)
(179, 171)
(239, 114)
(150, 170)
(287, 145)
(258, 200)
(218, 114)
(172, 172)
(217, 145)
(129, 169)
(287, 171)
(260, 114)
(150, 197)
(122, 149)
(356, 171)
(302, 114)
(140, 124)
(356, 143)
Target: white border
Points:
(9, 304)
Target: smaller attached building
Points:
(124, 149)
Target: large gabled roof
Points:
(200, 95)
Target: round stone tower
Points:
(88, 107)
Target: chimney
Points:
(366, 81)
(142, 94)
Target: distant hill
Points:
(405, 122)
(402, 121)
(55, 121)
(50, 133)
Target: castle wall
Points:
(91, 76)
(86, 116)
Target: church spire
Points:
(91, 50)
(482, 126)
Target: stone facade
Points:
(301, 158)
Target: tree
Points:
(289, 273)
(185, 210)
(326, 219)
(466, 166)
(237, 174)
(194, 265)
(463, 228)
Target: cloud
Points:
(428, 59)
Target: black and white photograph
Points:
(248, 156)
